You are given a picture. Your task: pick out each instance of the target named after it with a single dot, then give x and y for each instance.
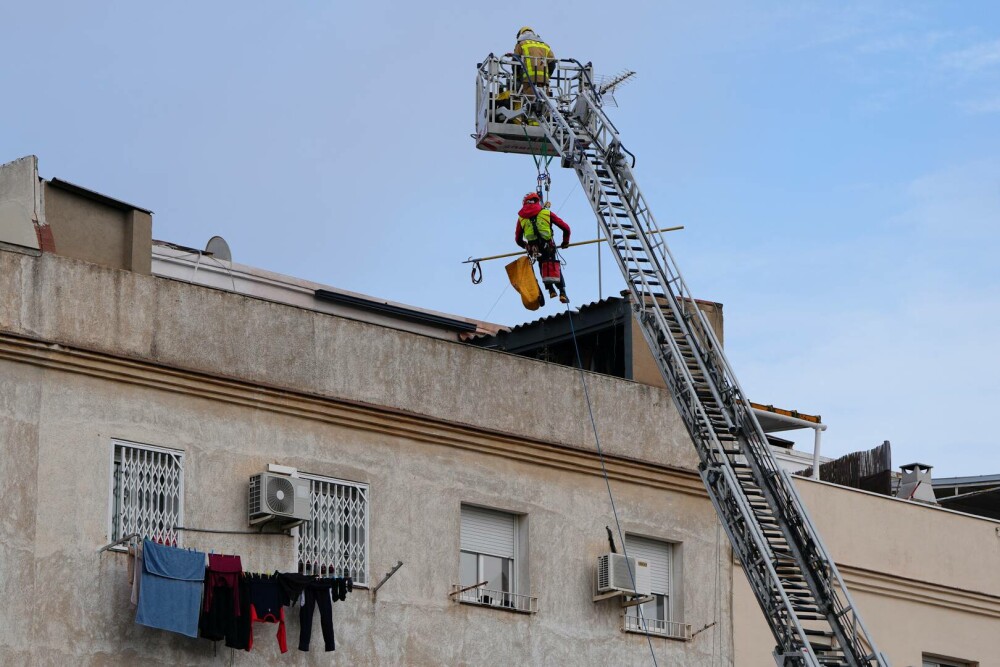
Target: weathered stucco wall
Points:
(110, 368)
(19, 202)
(216, 332)
(926, 580)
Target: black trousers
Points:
(316, 597)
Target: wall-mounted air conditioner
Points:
(278, 498)
(613, 575)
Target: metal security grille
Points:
(335, 541)
(147, 491)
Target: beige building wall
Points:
(97, 229)
(20, 203)
(926, 580)
(644, 367)
(89, 353)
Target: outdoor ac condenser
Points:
(613, 574)
(279, 498)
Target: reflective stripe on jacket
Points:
(536, 56)
(541, 222)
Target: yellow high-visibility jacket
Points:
(538, 59)
(542, 222)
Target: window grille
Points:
(147, 491)
(335, 541)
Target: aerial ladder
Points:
(795, 580)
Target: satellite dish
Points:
(219, 248)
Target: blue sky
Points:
(836, 166)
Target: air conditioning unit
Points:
(279, 498)
(613, 574)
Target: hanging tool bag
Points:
(522, 277)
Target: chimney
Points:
(916, 484)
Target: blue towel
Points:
(172, 583)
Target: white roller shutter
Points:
(487, 532)
(657, 554)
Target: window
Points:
(488, 564)
(335, 541)
(933, 661)
(147, 490)
(658, 615)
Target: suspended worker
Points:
(534, 233)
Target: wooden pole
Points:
(571, 245)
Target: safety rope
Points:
(607, 481)
(543, 181)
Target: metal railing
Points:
(486, 597)
(671, 629)
(498, 76)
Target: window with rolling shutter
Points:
(487, 531)
(489, 560)
(653, 616)
(658, 555)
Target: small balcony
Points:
(485, 597)
(668, 629)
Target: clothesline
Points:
(130, 536)
(174, 590)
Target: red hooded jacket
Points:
(530, 211)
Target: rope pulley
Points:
(544, 184)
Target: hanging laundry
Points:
(172, 583)
(267, 605)
(220, 613)
(316, 592)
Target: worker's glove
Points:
(565, 244)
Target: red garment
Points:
(270, 618)
(530, 211)
(223, 571)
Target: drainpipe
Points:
(818, 435)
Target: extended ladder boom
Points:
(800, 591)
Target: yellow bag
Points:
(522, 277)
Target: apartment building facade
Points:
(142, 384)
(138, 402)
